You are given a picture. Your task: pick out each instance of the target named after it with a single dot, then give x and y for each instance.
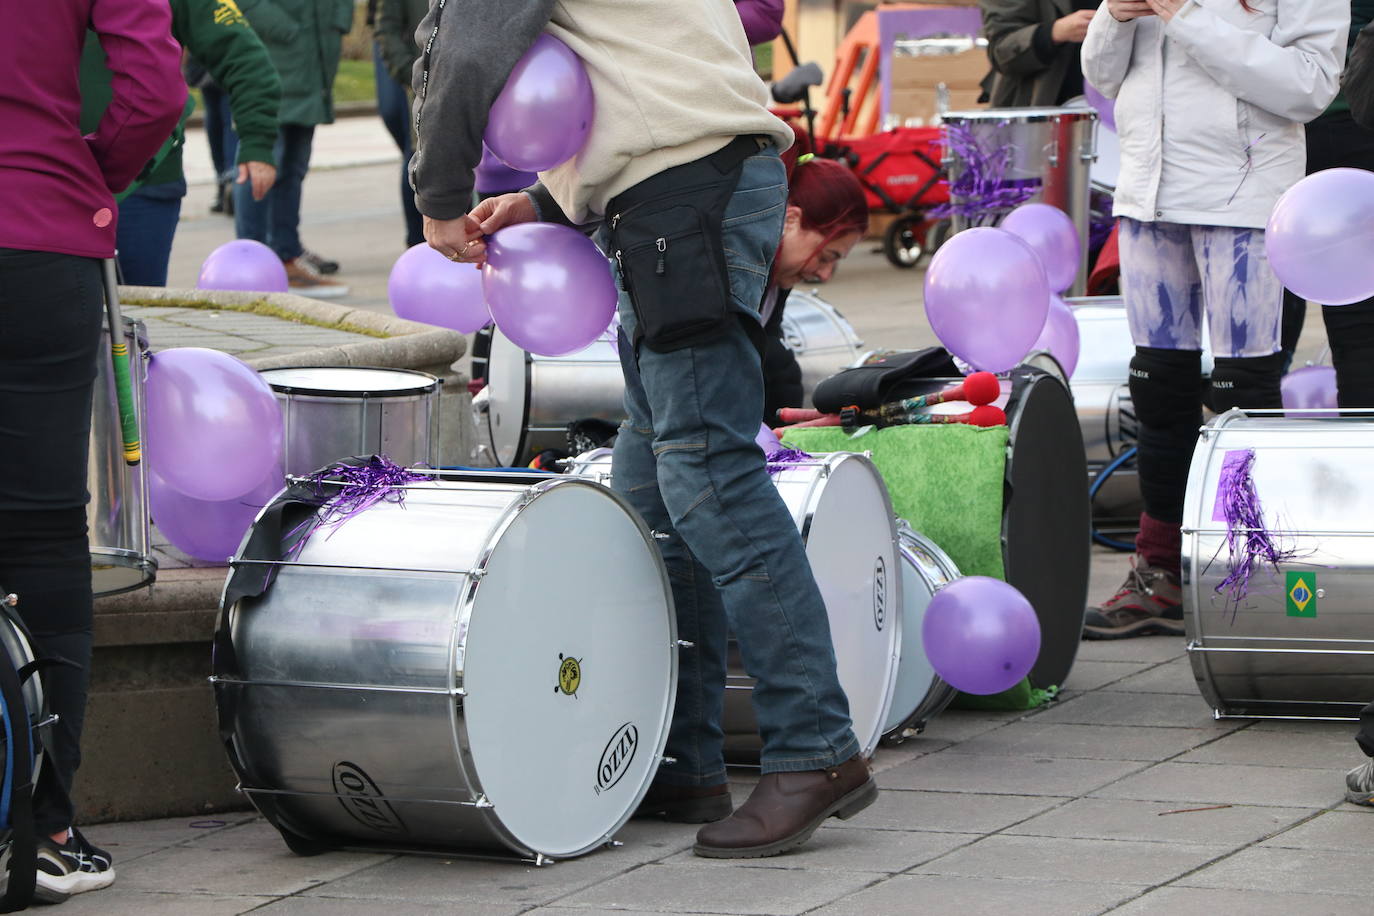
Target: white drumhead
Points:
(570, 666)
(841, 506)
(348, 381)
(508, 382)
(924, 568)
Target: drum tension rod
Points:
(11, 599)
(686, 644)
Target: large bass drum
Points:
(1046, 539)
(117, 514)
(1300, 643)
(489, 666)
(841, 507)
(920, 694)
(530, 400)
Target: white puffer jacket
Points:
(1210, 107)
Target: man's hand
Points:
(1165, 9)
(464, 239)
(262, 175)
(1126, 10)
(1071, 29)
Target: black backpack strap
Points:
(17, 790)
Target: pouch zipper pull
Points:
(660, 268)
(615, 219)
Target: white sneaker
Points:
(72, 868)
(1359, 784)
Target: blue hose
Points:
(1115, 463)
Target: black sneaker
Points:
(72, 868)
(319, 262)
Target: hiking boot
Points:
(686, 804)
(1359, 785)
(305, 280)
(1149, 603)
(319, 262)
(786, 808)
(71, 868)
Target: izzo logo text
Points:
(615, 759)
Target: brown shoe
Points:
(686, 804)
(786, 808)
(304, 280)
(1149, 603)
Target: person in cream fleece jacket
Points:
(682, 164)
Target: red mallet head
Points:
(987, 415)
(982, 388)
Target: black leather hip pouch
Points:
(666, 234)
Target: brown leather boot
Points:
(686, 804)
(786, 808)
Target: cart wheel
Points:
(904, 241)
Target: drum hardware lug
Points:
(688, 644)
(665, 760)
(480, 802)
(660, 535)
(540, 860)
(613, 843)
(1321, 593)
(477, 574)
(50, 720)
(11, 599)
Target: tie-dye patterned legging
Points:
(1171, 273)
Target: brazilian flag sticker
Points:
(1302, 594)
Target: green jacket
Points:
(305, 38)
(395, 28)
(216, 34)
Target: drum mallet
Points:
(119, 355)
(979, 389)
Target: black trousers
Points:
(50, 316)
(1336, 141)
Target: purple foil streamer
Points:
(360, 488)
(783, 458)
(981, 192)
(1248, 541)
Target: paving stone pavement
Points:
(1123, 796)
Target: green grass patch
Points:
(256, 307)
(355, 82)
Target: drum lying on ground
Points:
(919, 694)
(1300, 643)
(334, 412)
(532, 399)
(841, 507)
(1045, 519)
(117, 514)
(490, 666)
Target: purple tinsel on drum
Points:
(359, 487)
(784, 458)
(1248, 541)
(981, 192)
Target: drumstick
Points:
(825, 419)
(982, 415)
(119, 355)
(790, 415)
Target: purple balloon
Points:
(205, 529)
(1060, 336)
(549, 287)
(1106, 108)
(495, 177)
(1320, 236)
(214, 426)
(1051, 233)
(243, 264)
(981, 635)
(426, 286)
(1310, 386)
(767, 441)
(543, 115)
(986, 297)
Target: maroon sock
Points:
(1159, 543)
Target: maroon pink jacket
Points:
(56, 186)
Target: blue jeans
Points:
(219, 132)
(686, 460)
(393, 105)
(276, 219)
(147, 223)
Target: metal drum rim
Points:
(431, 383)
(1020, 115)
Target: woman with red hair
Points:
(827, 214)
